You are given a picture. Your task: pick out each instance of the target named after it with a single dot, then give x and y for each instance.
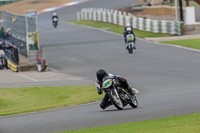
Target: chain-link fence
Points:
(17, 24)
(23, 29)
(20, 26)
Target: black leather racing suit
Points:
(106, 100)
(126, 33)
(53, 17)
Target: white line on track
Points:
(32, 79)
(50, 110)
(192, 49)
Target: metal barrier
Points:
(122, 19)
(11, 53)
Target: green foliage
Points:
(118, 29)
(190, 43)
(30, 99)
(179, 124)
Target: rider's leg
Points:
(124, 83)
(134, 45)
(1, 63)
(105, 101)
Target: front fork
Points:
(116, 93)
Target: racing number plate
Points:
(107, 83)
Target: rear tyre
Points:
(130, 49)
(54, 24)
(134, 102)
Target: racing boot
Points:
(134, 46)
(106, 105)
(131, 91)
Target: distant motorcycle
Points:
(130, 45)
(119, 96)
(2, 59)
(55, 22)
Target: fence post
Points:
(140, 24)
(115, 17)
(98, 15)
(104, 16)
(112, 19)
(134, 22)
(109, 16)
(86, 14)
(159, 26)
(163, 26)
(90, 14)
(120, 18)
(95, 15)
(181, 28)
(27, 45)
(155, 26)
(168, 25)
(144, 24)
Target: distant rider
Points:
(100, 74)
(55, 18)
(3, 60)
(129, 30)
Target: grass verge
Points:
(118, 29)
(190, 43)
(179, 124)
(30, 99)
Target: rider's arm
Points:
(134, 37)
(99, 88)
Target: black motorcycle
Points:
(119, 96)
(55, 22)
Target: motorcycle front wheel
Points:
(115, 99)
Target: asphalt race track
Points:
(166, 76)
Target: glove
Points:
(99, 90)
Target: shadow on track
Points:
(110, 110)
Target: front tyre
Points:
(115, 99)
(130, 49)
(134, 102)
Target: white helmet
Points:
(128, 29)
(54, 14)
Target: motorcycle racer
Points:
(55, 19)
(100, 74)
(128, 30)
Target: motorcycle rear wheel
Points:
(130, 49)
(133, 103)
